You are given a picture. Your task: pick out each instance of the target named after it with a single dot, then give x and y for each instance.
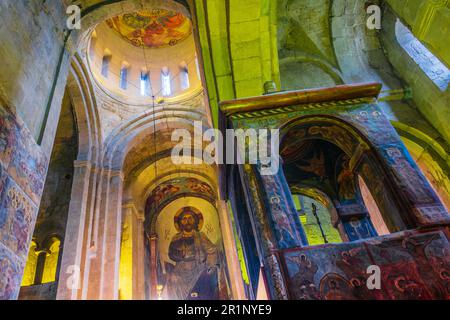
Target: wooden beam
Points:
(299, 97)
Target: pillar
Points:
(131, 282)
(276, 220)
(234, 269)
(69, 283)
(103, 276)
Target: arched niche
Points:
(432, 157)
(304, 198)
(185, 263)
(361, 158)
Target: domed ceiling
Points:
(152, 29)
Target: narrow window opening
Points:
(145, 83)
(165, 82)
(427, 61)
(124, 77)
(184, 77)
(105, 65)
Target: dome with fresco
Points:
(153, 28)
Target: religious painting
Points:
(17, 215)
(194, 274)
(8, 137)
(25, 162)
(413, 266)
(167, 191)
(345, 179)
(152, 28)
(10, 269)
(191, 263)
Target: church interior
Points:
(93, 207)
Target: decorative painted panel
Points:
(22, 175)
(413, 266)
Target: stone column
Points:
(69, 283)
(135, 225)
(234, 269)
(40, 266)
(112, 227)
(138, 256)
(103, 276)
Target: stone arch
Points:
(130, 133)
(345, 130)
(431, 156)
(362, 154)
(85, 107)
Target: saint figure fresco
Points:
(195, 273)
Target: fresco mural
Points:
(152, 29)
(23, 160)
(190, 259)
(366, 145)
(345, 179)
(22, 176)
(10, 269)
(321, 165)
(168, 190)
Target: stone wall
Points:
(32, 41)
(22, 176)
(431, 102)
(31, 36)
(428, 20)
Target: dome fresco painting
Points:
(224, 150)
(152, 29)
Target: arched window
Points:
(145, 83)
(184, 77)
(124, 76)
(197, 67)
(165, 82)
(429, 63)
(105, 65)
(51, 262)
(30, 268)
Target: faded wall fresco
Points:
(190, 264)
(413, 266)
(418, 262)
(22, 176)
